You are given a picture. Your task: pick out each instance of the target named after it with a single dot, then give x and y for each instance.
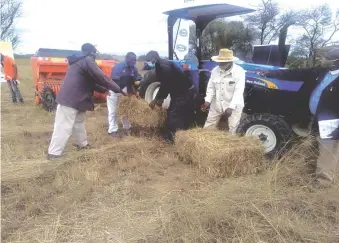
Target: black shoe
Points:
(21, 101)
(114, 134)
(52, 157)
(78, 147)
(126, 132)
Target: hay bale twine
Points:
(139, 114)
(218, 153)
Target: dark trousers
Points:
(180, 114)
(15, 92)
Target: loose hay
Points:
(218, 153)
(139, 114)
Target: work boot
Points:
(21, 101)
(78, 147)
(53, 157)
(114, 134)
(126, 132)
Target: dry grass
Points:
(139, 114)
(218, 153)
(136, 190)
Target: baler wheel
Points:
(48, 102)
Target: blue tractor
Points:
(275, 110)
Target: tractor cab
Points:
(196, 15)
(185, 43)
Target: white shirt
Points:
(225, 89)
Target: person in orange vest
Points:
(11, 76)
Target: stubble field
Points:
(137, 190)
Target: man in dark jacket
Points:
(83, 77)
(327, 117)
(323, 98)
(175, 83)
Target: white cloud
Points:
(115, 26)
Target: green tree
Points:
(233, 35)
(319, 27)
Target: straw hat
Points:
(225, 55)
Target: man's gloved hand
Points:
(154, 103)
(205, 106)
(137, 95)
(228, 112)
(137, 83)
(123, 93)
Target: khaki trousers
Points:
(68, 121)
(214, 116)
(328, 160)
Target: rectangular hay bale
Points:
(218, 153)
(140, 114)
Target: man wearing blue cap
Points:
(126, 75)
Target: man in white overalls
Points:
(224, 92)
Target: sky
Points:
(115, 26)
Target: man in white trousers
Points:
(224, 94)
(126, 75)
(75, 97)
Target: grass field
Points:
(136, 190)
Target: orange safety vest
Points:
(10, 68)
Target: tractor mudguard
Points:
(315, 96)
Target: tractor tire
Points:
(149, 78)
(49, 101)
(152, 91)
(272, 130)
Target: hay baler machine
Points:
(275, 110)
(49, 67)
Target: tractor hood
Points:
(199, 9)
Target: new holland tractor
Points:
(275, 110)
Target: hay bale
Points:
(139, 114)
(219, 153)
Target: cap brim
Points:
(216, 59)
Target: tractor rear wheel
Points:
(48, 102)
(148, 79)
(272, 130)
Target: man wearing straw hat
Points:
(224, 94)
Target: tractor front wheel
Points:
(271, 130)
(49, 101)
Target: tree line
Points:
(317, 27)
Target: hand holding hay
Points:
(138, 113)
(219, 153)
